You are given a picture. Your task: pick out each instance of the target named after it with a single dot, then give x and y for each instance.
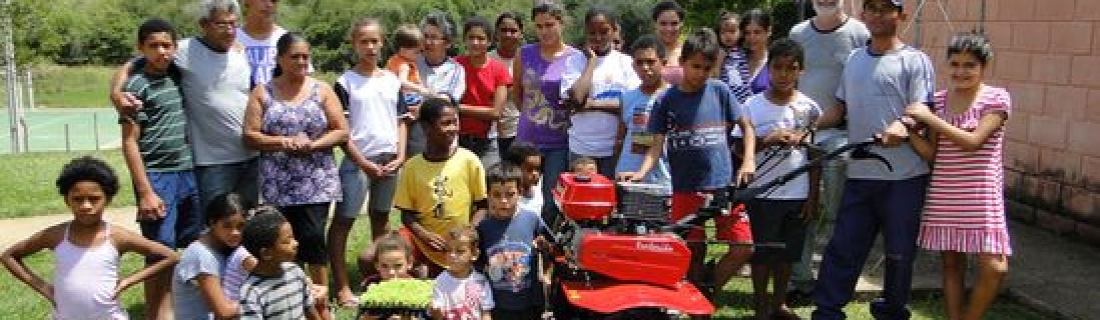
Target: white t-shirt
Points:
(261, 53)
(216, 87)
(593, 133)
(463, 298)
(533, 203)
(766, 116)
(372, 110)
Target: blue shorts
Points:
(180, 195)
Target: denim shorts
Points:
(180, 195)
(358, 188)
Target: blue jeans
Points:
(242, 178)
(868, 207)
(554, 162)
(180, 195)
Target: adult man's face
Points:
(219, 29)
(261, 8)
(827, 7)
(882, 18)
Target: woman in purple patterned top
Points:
(295, 120)
(536, 83)
(756, 28)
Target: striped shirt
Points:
(285, 296)
(965, 209)
(162, 138)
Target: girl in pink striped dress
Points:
(964, 212)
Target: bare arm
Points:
(748, 157)
(403, 72)
(254, 137)
(410, 220)
(500, 98)
(967, 140)
(651, 156)
(124, 102)
(131, 242)
(582, 88)
(517, 83)
(13, 259)
(150, 205)
(210, 287)
(925, 144)
(832, 117)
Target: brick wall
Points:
(1047, 53)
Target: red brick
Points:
(1087, 9)
(1022, 156)
(1090, 172)
(1053, 222)
(1088, 233)
(1082, 138)
(1031, 36)
(1050, 68)
(1017, 10)
(1013, 65)
(1027, 97)
(1080, 204)
(1086, 70)
(1016, 126)
(1071, 37)
(1020, 211)
(999, 34)
(1060, 10)
(1047, 131)
(1092, 106)
(1065, 101)
(1059, 165)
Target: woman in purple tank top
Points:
(756, 25)
(543, 120)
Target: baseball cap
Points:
(896, 3)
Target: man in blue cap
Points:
(878, 82)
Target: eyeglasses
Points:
(226, 24)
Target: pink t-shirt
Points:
(481, 84)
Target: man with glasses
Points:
(215, 83)
(878, 82)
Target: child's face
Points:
(227, 231)
(965, 69)
(86, 199)
(503, 199)
(367, 42)
(295, 61)
(393, 264)
(509, 34)
(532, 170)
(477, 41)
(696, 70)
(756, 35)
(784, 72)
(445, 129)
(648, 65)
(262, 8)
(461, 254)
(598, 32)
(285, 247)
(158, 49)
(728, 33)
(410, 53)
(585, 168)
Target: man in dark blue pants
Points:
(879, 81)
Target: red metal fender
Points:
(610, 297)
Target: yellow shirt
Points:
(441, 193)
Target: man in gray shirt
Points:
(877, 84)
(215, 78)
(827, 39)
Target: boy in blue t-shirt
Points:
(157, 153)
(693, 121)
(508, 239)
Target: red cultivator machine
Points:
(618, 256)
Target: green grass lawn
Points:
(27, 185)
(734, 301)
(72, 87)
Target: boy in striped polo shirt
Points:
(277, 288)
(157, 154)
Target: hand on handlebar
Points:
(629, 176)
(894, 135)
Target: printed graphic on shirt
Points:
(440, 194)
(508, 264)
(641, 140)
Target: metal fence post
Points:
(95, 129)
(68, 144)
(30, 89)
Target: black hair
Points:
(393, 241)
(88, 168)
(155, 25)
(223, 206)
(283, 45)
(520, 151)
(477, 22)
(648, 41)
(261, 231)
(502, 172)
(407, 36)
(363, 22)
(753, 16)
(786, 48)
(722, 18)
(667, 5)
(509, 15)
(548, 7)
(867, 4)
(702, 41)
(581, 161)
(596, 11)
(432, 108)
(974, 43)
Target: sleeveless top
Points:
(543, 120)
(288, 179)
(84, 280)
(965, 208)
